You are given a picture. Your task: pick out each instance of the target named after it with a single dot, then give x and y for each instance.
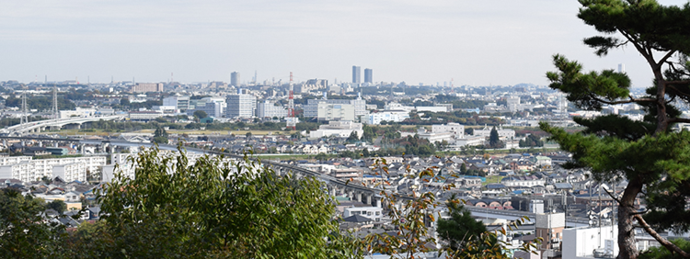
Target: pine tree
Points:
(648, 154)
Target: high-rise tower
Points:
(356, 74)
(368, 75)
(235, 79)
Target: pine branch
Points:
(639, 48)
(681, 120)
(670, 246)
(677, 82)
(668, 55)
(612, 196)
(632, 100)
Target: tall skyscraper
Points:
(368, 75)
(356, 74)
(235, 79)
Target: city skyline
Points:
(471, 43)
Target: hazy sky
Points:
(498, 42)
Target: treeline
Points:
(462, 117)
(40, 102)
(412, 145)
(126, 105)
(168, 122)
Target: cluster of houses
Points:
(79, 198)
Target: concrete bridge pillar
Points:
(332, 190)
(368, 199)
(359, 197)
(351, 195)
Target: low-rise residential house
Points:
(522, 181)
(374, 213)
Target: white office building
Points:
(502, 133)
(457, 130)
(394, 116)
(240, 106)
(341, 129)
(179, 102)
(374, 213)
(311, 109)
(268, 109)
(213, 109)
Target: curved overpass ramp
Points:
(38, 126)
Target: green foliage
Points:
(353, 137)
(215, 208)
(663, 253)
(40, 102)
(469, 104)
(321, 157)
(460, 227)
(460, 116)
(57, 205)
(24, 233)
(125, 104)
(586, 90)
(409, 217)
(531, 141)
(200, 114)
(493, 137)
(160, 136)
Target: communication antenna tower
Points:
(291, 122)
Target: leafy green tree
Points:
(57, 205)
(216, 208)
(409, 215)
(663, 253)
(493, 137)
(648, 154)
(24, 231)
(353, 137)
(460, 227)
(321, 157)
(531, 141)
(200, 114)
(160, 136)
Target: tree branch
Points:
(640, 49)
(612, 196)
(670, 246)
(677, 120)
(632, 100)
(677, 82)
(668, 55)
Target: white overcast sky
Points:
(491, 42)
